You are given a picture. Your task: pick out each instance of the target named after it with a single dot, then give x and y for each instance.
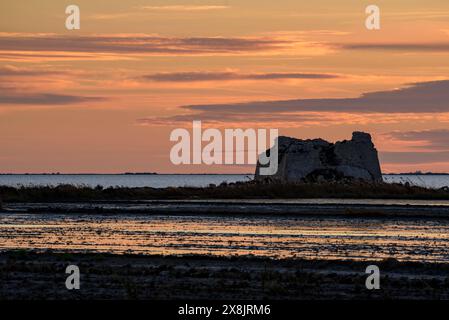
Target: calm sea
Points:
(177, 180)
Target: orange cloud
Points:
(185, 8)
(121, 46)
(228, 76)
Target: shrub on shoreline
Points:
(241, 190)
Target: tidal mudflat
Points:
(143, 253)
(272, 236)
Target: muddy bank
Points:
(26, 275)
(326, 207)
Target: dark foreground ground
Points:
(26, 275)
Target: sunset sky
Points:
(106, 97)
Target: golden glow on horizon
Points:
(73, 100)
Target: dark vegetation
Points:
(243, 190)
(27, 275)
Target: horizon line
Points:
(194, 173)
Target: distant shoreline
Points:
(193, 174)
(125, 174)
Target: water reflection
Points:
(277, 237)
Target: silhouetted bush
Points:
(247, 190)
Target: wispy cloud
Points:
(11, 96)
(143, 11)
(402, 47)
(228, 76)
(8, 71)
(417, 15)
(415, 100)
(184, 8)
(125, 45)
(435, 139)
(424, 97)
(414, 157)
(14, 56)
(242, 120)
